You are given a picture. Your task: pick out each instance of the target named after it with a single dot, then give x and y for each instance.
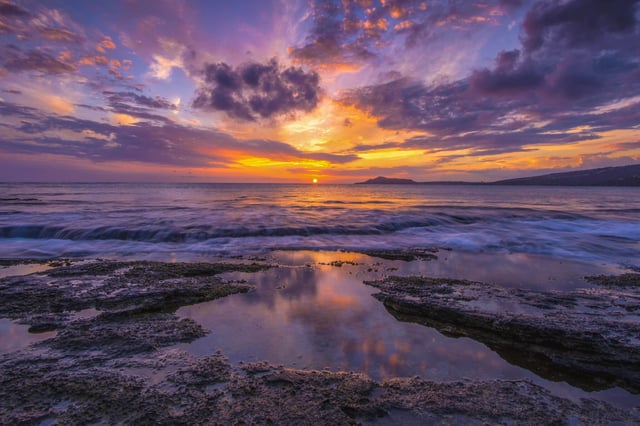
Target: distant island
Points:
(381, 180)
(605, 176)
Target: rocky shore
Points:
(587, 337)
(113, 355)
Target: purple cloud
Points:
(12, 10)
(168, 143)
(559, 78)
(253, 91)
(577, 23)
(353, 32)
(117, 98)
(575, 50)
(34, 60)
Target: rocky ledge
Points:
(184, 390)
(587, 337)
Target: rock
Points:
(624, 280)
(407, 255)
(210, 391)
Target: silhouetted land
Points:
(606, 176)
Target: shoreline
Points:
(120, 323)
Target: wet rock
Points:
(117, 335)
(586, 337)
(210, 391)
(26, 261)
(145, 286)
(624, 280)
(407, 255)
(204, 372)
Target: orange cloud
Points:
(123, 119)
(106, 43)
(93, 60)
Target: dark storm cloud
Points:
(556, 77)
(156, 141)
(253, 91)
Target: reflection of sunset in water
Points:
(312, 314)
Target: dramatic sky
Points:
(288, 91)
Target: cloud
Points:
(624, 146)
(157, 102)
(356, 32)
(106, 43)
(336, 36)
(61, 35)
(537, 94)
(253, 91)
(166, 143)
(34, 60)
(10, 9)
(573, 50)
(577, 23)
(161, 67)
(509, 76)
(408, 104)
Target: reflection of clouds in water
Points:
(280, 283)
(324, 316)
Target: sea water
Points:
(192, 221)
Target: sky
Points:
(338, 91)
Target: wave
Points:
(65, 220)
(200, 233)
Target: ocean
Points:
(200, 221)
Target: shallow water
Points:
(308, 314)
(14, 336)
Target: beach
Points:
(397, 326)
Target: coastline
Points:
(120, 345)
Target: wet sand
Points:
(296, 337)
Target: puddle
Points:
(14, 336)
(23, 269)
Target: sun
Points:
(315, 180)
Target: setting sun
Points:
(315, 180)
